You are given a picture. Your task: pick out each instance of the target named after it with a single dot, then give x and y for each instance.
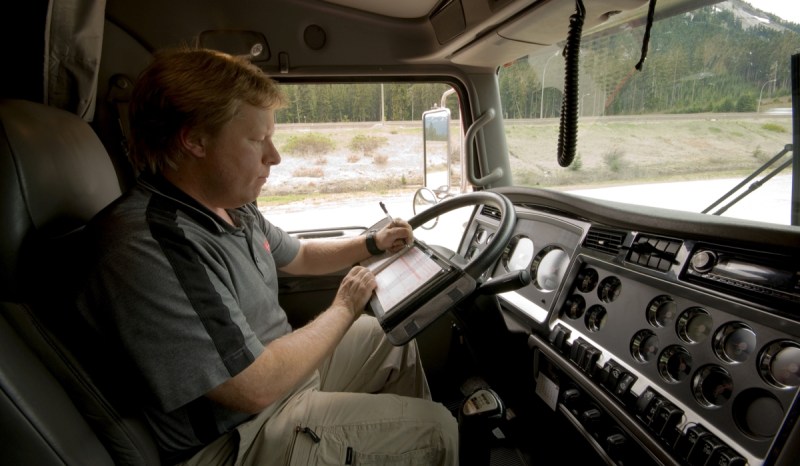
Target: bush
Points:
(613, 160)
(746, 103)
(773, 127)
(311, 143)
(308, 172)
(367, 144)
(576, 163)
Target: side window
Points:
(345, 147)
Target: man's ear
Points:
(193, 142)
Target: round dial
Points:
(574, 306)
(694, 325)
(644, 346)
(734, 342)
(519, 254)
(780, 364)
(587, 280)
(549, 267)
(596, 318)
(661, 311)
(712, 386)
(609, 289)
(674, 364)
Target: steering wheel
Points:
(428, 303)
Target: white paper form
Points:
(403, 276)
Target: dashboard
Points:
(666, 338)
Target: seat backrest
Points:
(57, 405)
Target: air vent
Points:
(608, 241)
(489, 211)
(654, 252)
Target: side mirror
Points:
(436, 150)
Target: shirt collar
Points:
(158, 185)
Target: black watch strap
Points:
(372, 246)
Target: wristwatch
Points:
(372, 246)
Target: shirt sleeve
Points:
(283, 246)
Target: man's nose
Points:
(271, 154)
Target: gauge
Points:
(596, 318)
(712, 386)
(549, 267)
(519, 254)
(780, 364)
(644, 346)
(574, 306)
(734, 342)
(661, 311)
(694, 325)
(587, 280)
(609, 289)
(674, 364)
(480, 235)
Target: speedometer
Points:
(549, 268)
(518, 254)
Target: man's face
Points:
(239, 158)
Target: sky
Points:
(785, 9)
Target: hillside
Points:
(619, 151)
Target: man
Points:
(183, 276)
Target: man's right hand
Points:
(355, 290)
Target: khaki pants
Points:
(369, 404)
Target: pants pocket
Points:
(348, 446)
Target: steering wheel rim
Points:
(489, 255)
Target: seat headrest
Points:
(55, 175)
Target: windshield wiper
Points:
(757, 184)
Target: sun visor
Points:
(549, 23)
(545, 24)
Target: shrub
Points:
(760, 155)
(746, 103)
(576, 163)
(310, 143)
(367, 144)
(773, 127)
(613, 160)
(308, 172)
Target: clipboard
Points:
(407, 281)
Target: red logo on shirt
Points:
(266, 246)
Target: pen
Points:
(386, 211)
(391, 220)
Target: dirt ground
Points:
(609, 151)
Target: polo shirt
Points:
(190, 300)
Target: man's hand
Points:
(355, 290)
(394, 236)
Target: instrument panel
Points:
(697, 343)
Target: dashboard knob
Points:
(703, 261)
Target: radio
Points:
(764, 277)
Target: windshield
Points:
(711, 105)
(346, 147)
